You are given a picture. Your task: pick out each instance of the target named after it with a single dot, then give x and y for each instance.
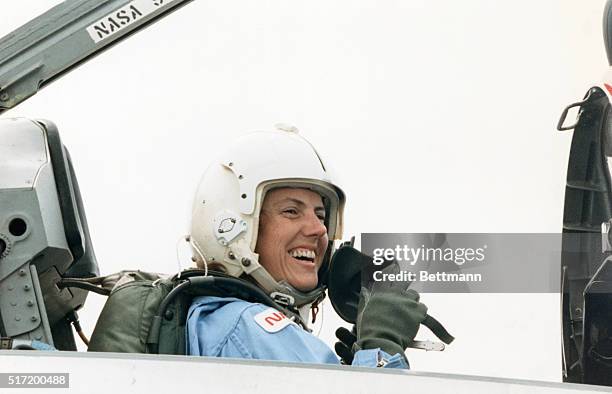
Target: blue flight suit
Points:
(230, 327)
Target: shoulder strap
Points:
(105, 285)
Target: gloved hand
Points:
(344, 348)
(389, 315)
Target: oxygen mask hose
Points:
(2, 247)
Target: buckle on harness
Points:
(283, 299)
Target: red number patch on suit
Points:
(272, 320)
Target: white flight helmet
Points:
(228, 202)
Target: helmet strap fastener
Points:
(282, 298)
(239, 251)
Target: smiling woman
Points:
(266, 212)
(292, 236)
(267, 209)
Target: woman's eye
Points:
(291, 211)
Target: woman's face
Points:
(292, 237)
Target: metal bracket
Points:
(606, 243)
(579, 104)
(227, 226)
(428, 346)
(19, 304)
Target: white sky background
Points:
(438, 116)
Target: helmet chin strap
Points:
(282, 292)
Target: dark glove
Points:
(389, 315)
(344, 348)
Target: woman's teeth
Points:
(303, 254)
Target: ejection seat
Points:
(43, 235)
(586, 261)
(586, 285)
